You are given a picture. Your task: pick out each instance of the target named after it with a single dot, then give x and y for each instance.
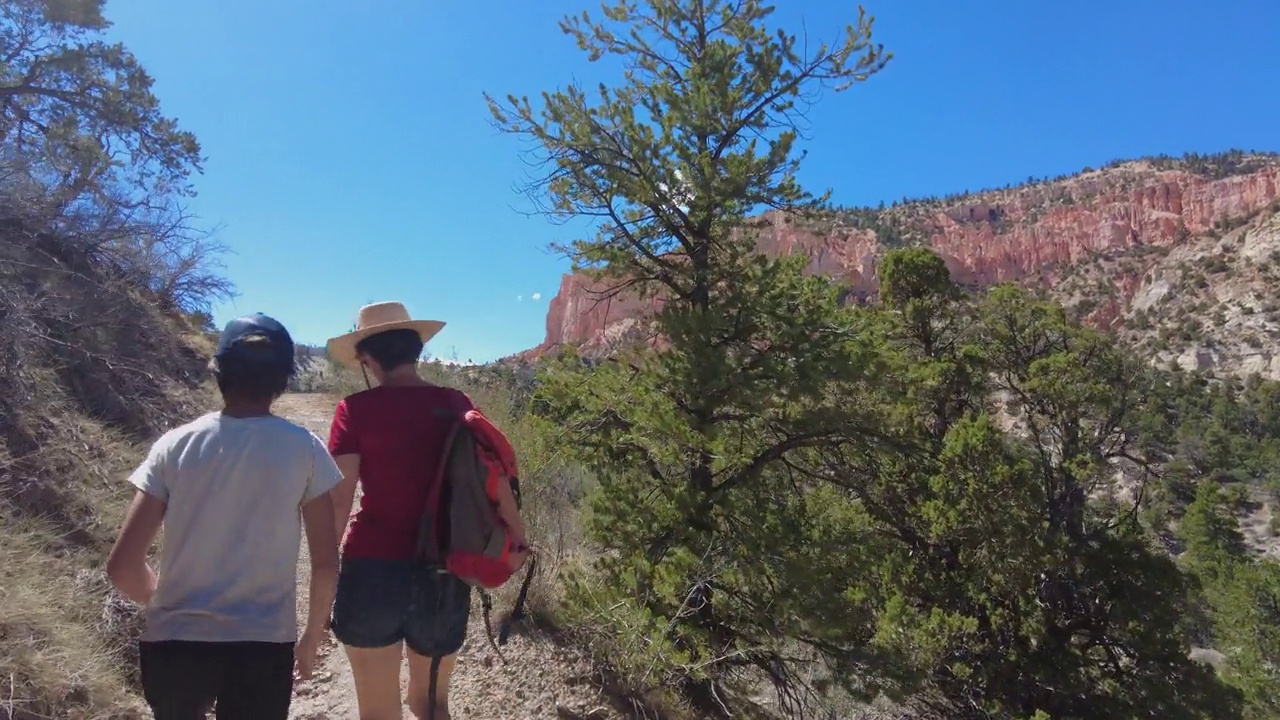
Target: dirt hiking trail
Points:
(540, 679)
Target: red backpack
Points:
(462, 531)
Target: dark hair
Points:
(392, 348)
(251, 371)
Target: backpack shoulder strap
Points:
(452, 406)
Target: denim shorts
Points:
(382, 602)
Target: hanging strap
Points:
(515, 616)
(486, 605)
(432, 688)
(517, 612)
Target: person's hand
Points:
(305, 651)
(520, 553)
(518, 539)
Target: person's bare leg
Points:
(420, 687)
(376, 672)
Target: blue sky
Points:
(351, 159)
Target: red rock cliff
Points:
(988, 237)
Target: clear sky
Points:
(351, 159)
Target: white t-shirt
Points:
(233, 489)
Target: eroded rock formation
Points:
(1029, 233)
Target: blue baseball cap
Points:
(279, 345)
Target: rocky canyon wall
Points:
(1026, 233)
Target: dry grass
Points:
(56, 656)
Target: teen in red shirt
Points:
(390, 438)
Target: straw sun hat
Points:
(374, 319)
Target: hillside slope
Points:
(1206, 303)
(1112, 225)
(90, 371)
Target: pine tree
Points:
(1237, 600)
(1211, 532)
(1247, 630)
(80, 109)
(1010, 585)
(824, 497)
(696, 513)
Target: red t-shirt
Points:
(398, 432)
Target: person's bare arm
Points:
(127, 565)
(344, 493)
(322, 548)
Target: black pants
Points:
(249, 680)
